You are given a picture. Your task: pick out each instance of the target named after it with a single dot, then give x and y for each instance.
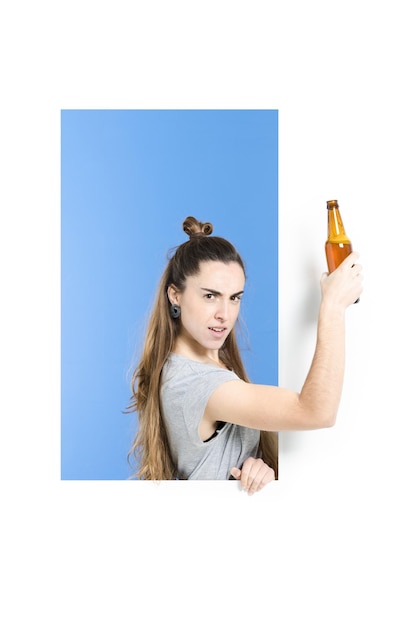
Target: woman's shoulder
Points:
(189, 384)
(178, 365)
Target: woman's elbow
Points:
(314, 418)
(328, 421)
(320, 420)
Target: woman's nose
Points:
(222, 312)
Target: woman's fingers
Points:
(255, 474)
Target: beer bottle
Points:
(338, 245)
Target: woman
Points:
(199, 416)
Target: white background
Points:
(333, 542)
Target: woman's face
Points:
(209, 304)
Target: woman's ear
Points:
(172, 293)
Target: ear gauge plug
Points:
(175, 311)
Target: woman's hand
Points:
(254, 475)
(343, 286)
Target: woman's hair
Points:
(150, 448)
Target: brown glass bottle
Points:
(338, 245)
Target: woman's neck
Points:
(197, 352)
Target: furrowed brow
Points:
(218, 293)
(213, 291)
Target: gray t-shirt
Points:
(186, 386)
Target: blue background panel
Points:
(128, 180)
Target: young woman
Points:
(199, 415)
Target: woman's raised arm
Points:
(272, 408)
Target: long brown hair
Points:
(150, 448)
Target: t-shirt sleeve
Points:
(197, 395)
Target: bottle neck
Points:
(335, 229)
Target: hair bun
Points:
(193, 228)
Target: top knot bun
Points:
(193, 228)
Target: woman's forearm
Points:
(322, 389)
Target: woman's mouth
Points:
(217, 331)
